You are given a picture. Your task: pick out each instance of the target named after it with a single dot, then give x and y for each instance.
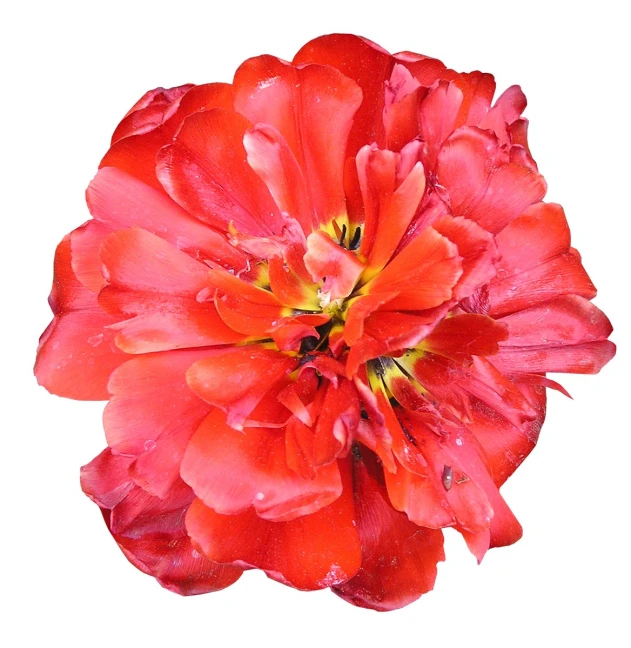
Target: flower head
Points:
(322, 302)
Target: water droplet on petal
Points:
(95, 340)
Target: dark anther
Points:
(354, 244)
(364, 413)
(308, 344)
(377, 367)
(357, 454)
(408, 436)
(343, 235)
(313, 343)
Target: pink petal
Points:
(231, 471)
(206, 172)
(150, 111)
(482, 184)
(120, 201)
(76, 353)
(332, 264)
(138, 420)
(438, 113)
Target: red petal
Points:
(413, 487)
(231, 471)
(205, 97)
(369, 66)
(563, 321)
(205, 171)
(76, 353)
(478, 89)
(248, 317)
(176, 565)
(437, 115)
(150, 111)
(465, 497)
(455, 460)
(424, 69)
(290, 288)
(507, 109)
(359, 310)
(119, 200)
(332, 264)
(453, 384)
(155, 539)
(390, 331)
(105, 480)
(462, 336)
(188, 325)
(586, 358)
(400, 115)
(85, 246)
(392, 186)
(272, 159)
(420, 498)
(423, 273)
(138, 420)
(504, 527)
(136, 260)
(312, 107)
(562, 275)
(159, 284)
(537, 263)
(311, 552)
(482, 184)
(235, 380)
(398, 557)
(373, 431)
(505, 446)
(477, 249)
(136, 154)
(337, 423)
(541, 233)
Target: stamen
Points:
(354, 244)
(343, 235)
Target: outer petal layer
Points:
(311, 552)
(153, 537)
(76, 353)
(398, 557)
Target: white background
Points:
(71, 71)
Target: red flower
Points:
(322, 303)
